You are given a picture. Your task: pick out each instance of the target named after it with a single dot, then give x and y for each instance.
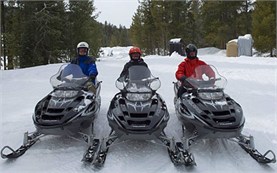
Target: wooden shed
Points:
(232, 48)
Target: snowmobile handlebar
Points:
(195, 84)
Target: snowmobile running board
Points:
(27, 143)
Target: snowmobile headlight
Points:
(138, 96)
(64, 93)
(210, 95)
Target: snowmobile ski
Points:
(177, 153)
(181, 156)
(104, 148)
(261, 158)
(28, 142)
(100, 158)
(91, 151)
(247, 143)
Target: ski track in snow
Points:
(252, 82)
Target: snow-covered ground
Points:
(252, 82)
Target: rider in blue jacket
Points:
(86, 63)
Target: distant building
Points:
(241, 46)
(232, 48)
(245, 44)
(176, 45)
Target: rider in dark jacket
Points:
(135, 59)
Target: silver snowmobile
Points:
(137, 112)
(69, 109)
(205, 112)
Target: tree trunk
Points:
(3, 34)
(10, 64)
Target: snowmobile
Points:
(68, 110)
(137, 112)
(206, 112)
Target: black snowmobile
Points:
(205, 112)
(69, 109)
(137, 112)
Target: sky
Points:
(116, 12)
(250, 83)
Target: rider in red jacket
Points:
(186, 69)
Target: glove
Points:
(91, 87)
(92, 77)
(183, 79)
(185, 83)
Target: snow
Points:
(252, 82)
(175, 40)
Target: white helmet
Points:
(83, 44)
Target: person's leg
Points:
(181, 90)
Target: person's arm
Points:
(124, 71)
(209, 71)
(180, 71)
(92, 70)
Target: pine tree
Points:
(42, 32)
(219, 25)
(113, 36)
(156, 22)
(244, 19)
(264, 26)
(136, 33)
(149, 28)
(28, 38)
(82, 26)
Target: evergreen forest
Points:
(43, 32)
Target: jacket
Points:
(131, 63)
(87, 65)
(188, 66)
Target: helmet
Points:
(191, 51)
(135, 50)
(83, 45)
(135, 53)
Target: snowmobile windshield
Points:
(69, 76)
(139, 84)
(206, 77)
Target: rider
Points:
(187, 68)
(86, 63)
(135, 59)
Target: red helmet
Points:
(135, 50)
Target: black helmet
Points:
(189, 49)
